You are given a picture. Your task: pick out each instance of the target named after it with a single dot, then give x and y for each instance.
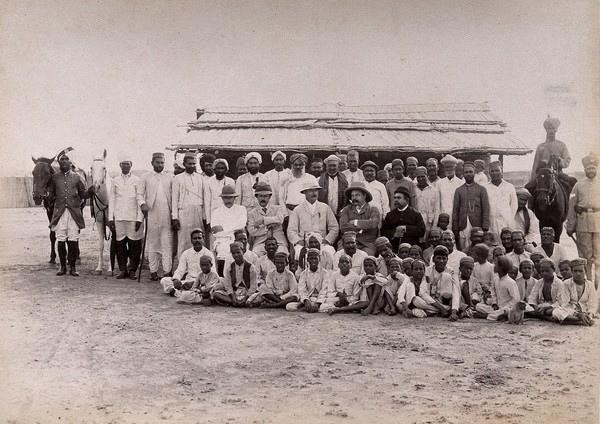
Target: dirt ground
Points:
(98, 350)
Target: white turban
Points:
(277, 153)
(251, 155)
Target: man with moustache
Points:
(333, 185)
(360, 217)
(277, 175)
(376, 188)
(246, 183)
(290, 194)
(448, 185)
(353, 173)
(399, 181)
(403, 224)
(265, 220)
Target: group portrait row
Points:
(337, 234)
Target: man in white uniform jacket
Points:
(312, 216)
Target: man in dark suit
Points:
(471, 207)
(334, 185)
(403, 224)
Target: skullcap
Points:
(440, 250)
(254, 155)
(345, 256)
(408, 260)
(313, 251)
(395, 260)
(579, 261)
(239, 232)
(402, 245)
(522, 191)
(449, 159)
(369, 163)
(298, 156)
(412, 159)
(207, 157)
(281, 254)
(206, 259)
(536, 255)
(223, 161)
(431, 160)
(525, 261)
(548, 261)
(349, 235)
(381, 242)
(278, 153)
(332, 158)
(469, 165)
(382, 173)
(436, 231)
(397, 162)
(157, 155)
(479, 162)
(370, 258)
(196, 230)
(421, 171)
(547, 230)
(467, 260)
(500, 249)
(125, 156)
(235, 244)
(189, 155)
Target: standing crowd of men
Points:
(349, 236)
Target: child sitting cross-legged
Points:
(344, 289)
(200, 290)
(410, 290)
(312, 284)
(280, 286)
(395, 279)
(240, 281)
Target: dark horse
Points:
(42, 175)
(550, 192)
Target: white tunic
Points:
(353, 177)
(380, 197)
(427, 202)
(231, 219)
(125, 199)
(244, 188)
(276, 179)
(503, 205)
(446, 189)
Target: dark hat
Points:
(369, 163)
(403, 190)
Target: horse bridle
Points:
(547, 190)
(45, 202)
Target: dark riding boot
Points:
(135, 251)
(62, 256)
(73, 250)
(122, 258)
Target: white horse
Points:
(99, 205)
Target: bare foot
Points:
(331, 311)
(367, 311)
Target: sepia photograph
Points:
(316, 211)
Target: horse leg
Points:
(100, 229)
(558, 229)
(52, 249)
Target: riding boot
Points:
(122, 258)
(135, 251)
(73, 249)
(62, 255)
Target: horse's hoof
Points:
(98, 272)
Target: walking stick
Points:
(143, 247)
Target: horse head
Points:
(98, 171)
(42, 174)
(545, 187)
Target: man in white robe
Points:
(503, 200)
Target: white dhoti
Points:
(160, 239)
(127, 229)
(66, 228)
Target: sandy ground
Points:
(95, 349)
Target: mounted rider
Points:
(67, 190)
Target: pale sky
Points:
(124, 74)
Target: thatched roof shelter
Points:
(468, 130)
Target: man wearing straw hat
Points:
(125, 217)
(156, 187)
(225, 220)
(266, 220)
(360, 217)
(312, 216)
(187, 202)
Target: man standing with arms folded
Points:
(187, 202)
(471, 208)
(125, 218)
(155, 203)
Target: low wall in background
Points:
(16, 192)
